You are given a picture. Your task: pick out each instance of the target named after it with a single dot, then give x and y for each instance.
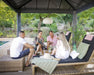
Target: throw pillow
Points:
(89, 37)
(74, 54)
(82, 50)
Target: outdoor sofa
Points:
(8, 64)
(71, 66)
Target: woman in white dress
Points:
(62, 49)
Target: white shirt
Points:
(17, 46)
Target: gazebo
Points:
(53, 6)
(49, 6)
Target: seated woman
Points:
(62, 49)
(39, 43)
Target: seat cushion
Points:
(85, 40)
(89, 37)
(82, 50)
(90, 49)
(70, 60)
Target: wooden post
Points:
(33, 69)
(74, 25)
(18, 23)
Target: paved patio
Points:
(28, 71)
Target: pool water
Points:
(3, 42)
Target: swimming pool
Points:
(3, 42)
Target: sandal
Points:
(28, 65)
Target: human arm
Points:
(28, 45)
(48, 40)
(36, 40)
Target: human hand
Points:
(51, 43)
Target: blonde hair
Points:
(64, 41)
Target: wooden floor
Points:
(28, 71)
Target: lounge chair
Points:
(68, 35)
(71, 66)
(7, 64)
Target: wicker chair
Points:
(7, 64)
(71, 66)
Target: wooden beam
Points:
(74, 26)
(48, 4)
(27, 10)
(18, 23)
(12, 5)
(60, 3)
(23, 3)
(36, 4)
(87, 6)
(70, 4)
(79, 3)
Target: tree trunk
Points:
(70, 23)
(40, 22)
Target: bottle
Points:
(74, 47)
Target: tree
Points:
(64, 18)
(7, 15)
(39, 16)
(85, 17)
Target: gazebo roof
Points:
(49, 6)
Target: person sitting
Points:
(62, 49)
(39, 45)
(17, 46)
(51, 39)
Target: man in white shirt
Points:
(17, 48)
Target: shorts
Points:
(22, 54)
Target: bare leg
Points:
(48, 44)
(38, 48)
(29, 56)
(53, 52)
(41, 50)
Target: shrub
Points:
(78, 34)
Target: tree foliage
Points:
(86, 18)
(7, 15)
(8, 19)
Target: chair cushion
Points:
(89, 37)
(82, 50)
(85, 40)
(70, 60)
(68, 35)
(90, 49)
(74, 54)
